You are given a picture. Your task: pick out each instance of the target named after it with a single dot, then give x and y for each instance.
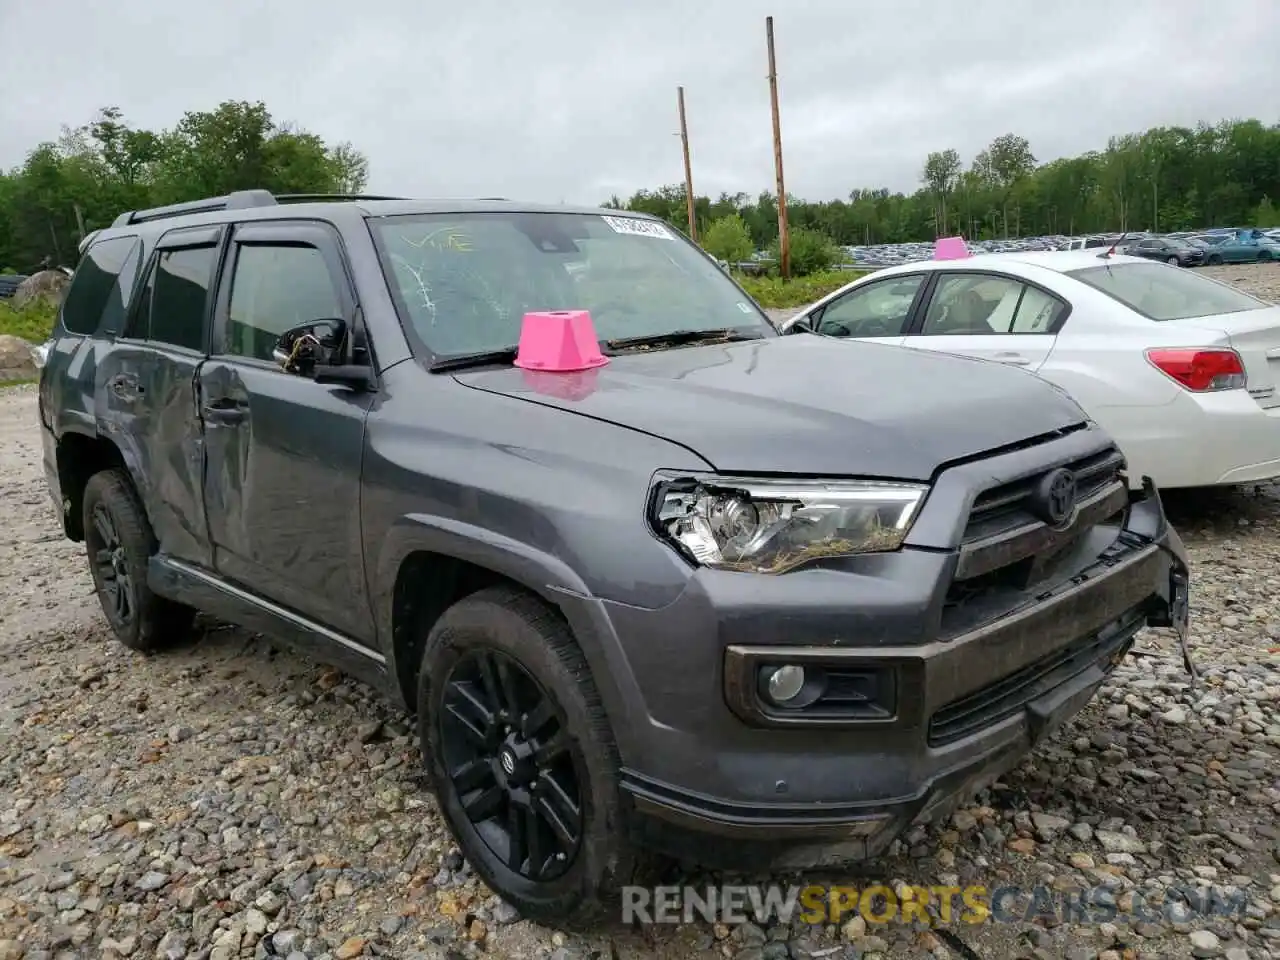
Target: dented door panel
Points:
(146, 406)
(282, 488)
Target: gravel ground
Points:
(229, 800)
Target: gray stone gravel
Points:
(227, 800)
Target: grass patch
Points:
(32, 322)
(772, 292)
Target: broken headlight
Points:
(772, 526)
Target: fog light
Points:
(785, 683)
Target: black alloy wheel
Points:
(111, 567)
(506, 752)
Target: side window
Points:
(879, 309)
(972, 304)
(180, 296)
(274, 288)
(103, 280)
(1038, 312)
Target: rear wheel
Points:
(1264, 256)
(522, 758)
(119, 543)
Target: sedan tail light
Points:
(1200, 369)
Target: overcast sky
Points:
(574, 100)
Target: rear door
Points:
(146, 388)
(284, 455)
(991, 316)
(879, 311)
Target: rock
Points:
(504, 914)
(43, 285)
(151, 881)
(1204, 943)
(350, 948)
(16, 361)
(172, 946)
(1176, 715)
(11, 950)
(855, 929)
(1047, 826)
(1114, 842)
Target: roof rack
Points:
(239, 200)
(328, 197)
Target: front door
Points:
(990, 316)
(282, 477)
(877, 310)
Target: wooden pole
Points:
(784, 237)
(688, 169)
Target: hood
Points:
(805, 404)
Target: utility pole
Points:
(688, 169)
(784, 236)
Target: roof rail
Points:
(328, 197)
(239, 200)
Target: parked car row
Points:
(650, 574)
(1179, 368)
(9, 283)
(889, 255)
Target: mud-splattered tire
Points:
(515, 736)
(119, 542)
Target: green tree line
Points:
(1166, 179)
(81, 182)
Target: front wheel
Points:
(119, 542)
(1172, 261)
(1215, 261)
(521, 757)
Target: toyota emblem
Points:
(1055, 497)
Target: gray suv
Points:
(732, 595)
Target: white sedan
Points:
(1180, 369)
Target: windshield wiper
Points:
(487, 358)
(677, 338)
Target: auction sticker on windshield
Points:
(638, 228)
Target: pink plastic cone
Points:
(559, 341)
(950, 248)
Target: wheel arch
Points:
(427, 564)
(80, 455)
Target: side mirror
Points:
(800, 325)
(316, 350)
(301, 349)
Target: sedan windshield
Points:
(464, 282)
(1159, 292)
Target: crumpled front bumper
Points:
(1010, 683)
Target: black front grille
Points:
(1007, 506)
(1009, 695)
(1009, 555)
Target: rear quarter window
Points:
(1161, 292)
(102, 285)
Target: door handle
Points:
(226, 410)
(1013, 359)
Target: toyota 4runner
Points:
(722, 593)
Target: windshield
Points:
(465, 281)
(1159, 292)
